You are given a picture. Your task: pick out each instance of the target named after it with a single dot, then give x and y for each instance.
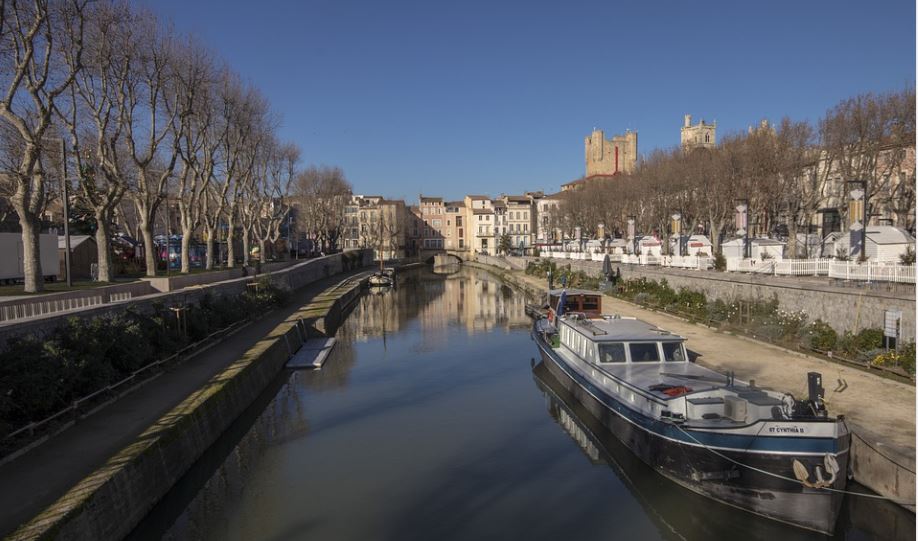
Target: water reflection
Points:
(472, 298)
(681, 514)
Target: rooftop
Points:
(621, 329)
(75, 240)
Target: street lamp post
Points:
(857, 213)
(168, 236)
(742, 225)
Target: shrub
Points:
(720, 262)
(868, 339)
(821, 336)
(908, 258)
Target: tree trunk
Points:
(149, 256)
(793, 247)
(246, 244)
(103, 246)
(32, 276)
(186, 247)
(209, 258)
(230, 249)
(261, 251)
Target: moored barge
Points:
(755, 449)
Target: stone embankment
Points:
(112, 500)
(880, 412)
(844, 308)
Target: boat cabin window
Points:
(589, 304)
(644, 352)
(612, 353)
(673, 352)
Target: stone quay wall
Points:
(291, 277)
(111, 501)
(843, 308)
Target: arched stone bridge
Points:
(443, 257)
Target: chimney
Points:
(688, 120)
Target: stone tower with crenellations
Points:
(610, 156)
(700, 135)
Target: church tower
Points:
(610, 156)
(700, 135)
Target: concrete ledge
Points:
(110, 502)
(887, 471)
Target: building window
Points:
(458, 221)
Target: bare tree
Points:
(194, 80)
(93, 120)
(153, 128)
(320, 193)
(870, 138)
(41, 45)
(271, 191)
(798, 184)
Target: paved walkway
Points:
(35, 480)
(873, 405)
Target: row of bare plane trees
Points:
(788, 174)
(140, 119)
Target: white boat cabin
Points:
(648, 369)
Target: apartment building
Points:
(378, 223)
(455, 231)
(433, 217)
(521, 221)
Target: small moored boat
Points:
(379, 279)
(755, 449)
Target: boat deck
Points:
(645, 376)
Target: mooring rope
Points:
(793, 480)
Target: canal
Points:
(429, 421)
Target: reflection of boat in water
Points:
(751, 448)
(677, 513)
(378, 279)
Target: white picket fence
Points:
(760, 266)
(802, 267)
(872, 272)
(844, 270)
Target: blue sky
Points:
(448, 98)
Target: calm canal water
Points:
(429, 421)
